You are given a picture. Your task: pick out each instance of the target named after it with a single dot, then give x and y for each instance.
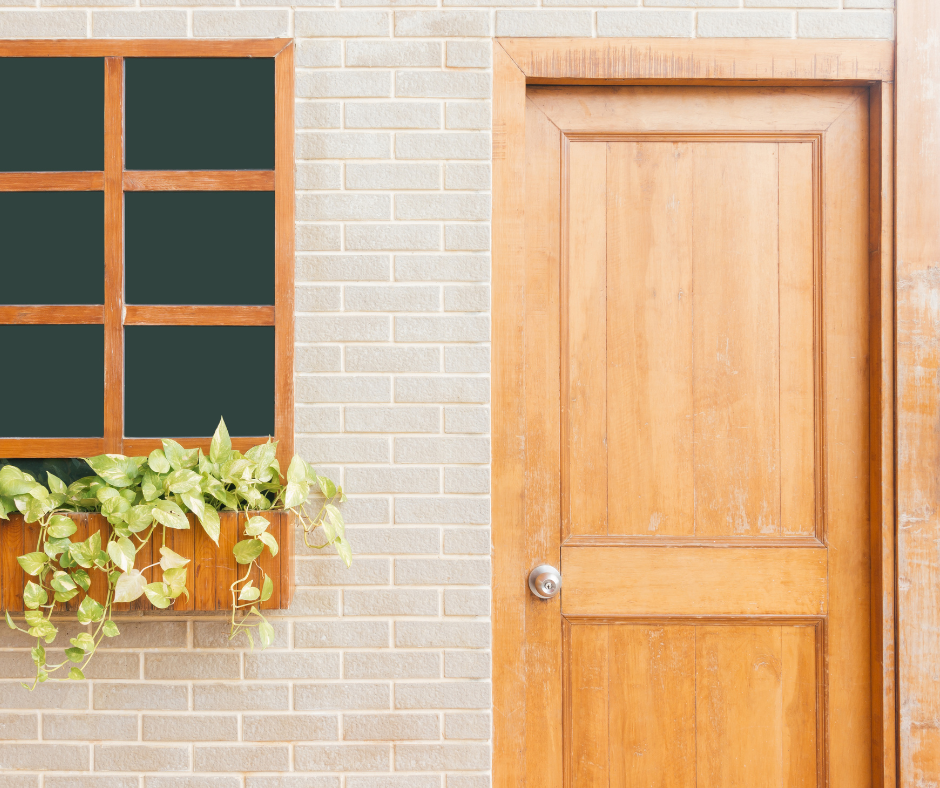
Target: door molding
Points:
(525, 702)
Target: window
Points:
(146, 245)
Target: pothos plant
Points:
(142, 497)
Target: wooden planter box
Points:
(212, 569)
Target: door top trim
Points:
(720, 59)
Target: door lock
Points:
(545, 581)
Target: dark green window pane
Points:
(199, 113)
(199, 247)
(54, 382)
(51, 114)
(68, 470)
(51, 247)
(179, 380)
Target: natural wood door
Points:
(697, 272)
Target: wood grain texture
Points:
(199, 180)
(883, 551)
(12, 577)
(510, 553)
(918, 395)
(584, 316)
(587, 710)
(572, 59)
(796, 256)
(284, 201)
(649, 338)
(51, 181)
(56, 315)
(113, 255)
(756, 707)
(695, 581)
(803, 756)
(227, 571)
(51, 447)
(846, 424)
(182, 542)
(204, 569)
(736, 339)
(251, 47)
(687, 110)
(652, 706)
(139, 447)
(98, 590)
(210, 573)
(544, 754)
(203, 315)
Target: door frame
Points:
(527, 700)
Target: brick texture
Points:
(385, 667)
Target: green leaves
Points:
(60, 527)
(32, 563)
(34, 595)
(115, 469)
(171, 560)
(141, 497)
(14, 482)
(90, 611)
(211, 524)
(169, 514)
(248, 550)
(178, 457)
(158, 594)
(220, 450)
(256, 525)
(129, 586)
(122, 552)
(267, 588)
(266, 633)
(158, 462)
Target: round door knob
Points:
(545, 581)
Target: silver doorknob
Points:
(545, 581)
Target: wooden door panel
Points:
(649, 338)
(586, 369)
(693, 706)
(651, 669)
(706, 423)
(712, 416)
(756, 700)
(695, 581)
(736, 339)
(798, 203)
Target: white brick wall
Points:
(379, 677)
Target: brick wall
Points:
(379, 677)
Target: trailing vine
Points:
(141, 497)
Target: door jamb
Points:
(518, 62)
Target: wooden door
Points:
(696, 267)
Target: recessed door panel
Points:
(692, 309)
(693, 706)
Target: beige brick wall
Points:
(379, 677)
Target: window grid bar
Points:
(114, 255)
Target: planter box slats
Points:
(212, 569)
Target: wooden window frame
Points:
(114, 180)
(524, 754)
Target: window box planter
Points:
(213, 569)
